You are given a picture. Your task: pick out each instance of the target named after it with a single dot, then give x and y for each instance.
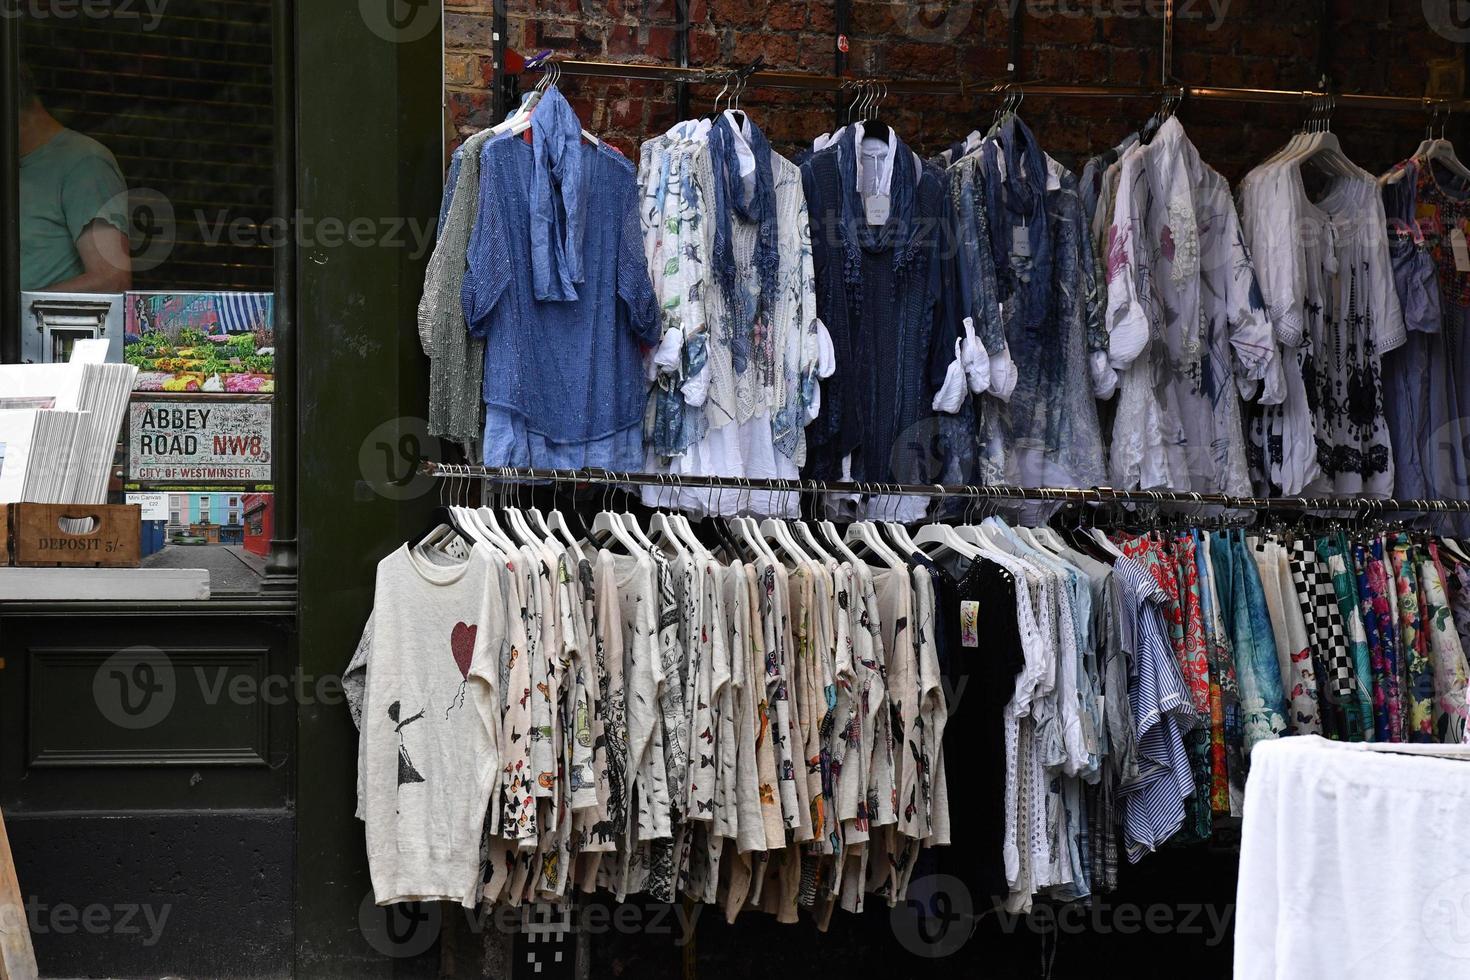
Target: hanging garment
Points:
(1327, 278)
(456, 359)
(1425, 380)
(588, 298)
(1046, 432)
(422, 686)
(1186, 323)
(885, 296)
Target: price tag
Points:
(969, 623)
(876, 207)
(1021, 242)
(1462, 252)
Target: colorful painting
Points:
(207, 342)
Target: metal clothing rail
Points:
(1096, 495)
(806, 81)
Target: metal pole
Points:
(1013, 66)
(807, 81)
(511, 474)
(498, 30)
(10, 314)
(1166, 61)
(681, 57)
(842, 24)
(282, 566)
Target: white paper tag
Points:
(1462, 252)
(876, 207)
(1020, 242)
(154, 505)
(969, 623)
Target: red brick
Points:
(738, 13)
(780, 50)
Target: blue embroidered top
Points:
(558, 286)
(885, 294)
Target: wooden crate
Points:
(37, 538)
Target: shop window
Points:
(146, 182)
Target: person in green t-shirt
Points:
(73, 206)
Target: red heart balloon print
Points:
(462, 642)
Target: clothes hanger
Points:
(937, 539)
(661, 530)
(826, 531)
(1322, 147)
(683, 532)
(897, 533)
(746, 531)
(808, 538)
(778, 532)
(609, 527)
(441, 525)
(873, 127)
(484, 521)
(559, 526)
(865, 533)
(1442, 152)
(524, 123)
(635, 529)
(520, 530)
(715, 112)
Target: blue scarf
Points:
(900, 233)
(558, 218)
(759, 204)
(1020, 200)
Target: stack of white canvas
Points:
(59, 426)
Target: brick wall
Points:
(1379, 46)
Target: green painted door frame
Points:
(369, 166)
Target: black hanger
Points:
(440, 517)
(873, 127)
(1166, 109)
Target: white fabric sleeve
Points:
(1003, 374)
(1390, 331)
(1126, 318)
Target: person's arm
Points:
(108, 265)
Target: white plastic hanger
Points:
(898, 534)
(557, 526)
(609, 527)
(864, 534)
(812, 543)
(747, 531)
(778, 533)
(662, 531)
